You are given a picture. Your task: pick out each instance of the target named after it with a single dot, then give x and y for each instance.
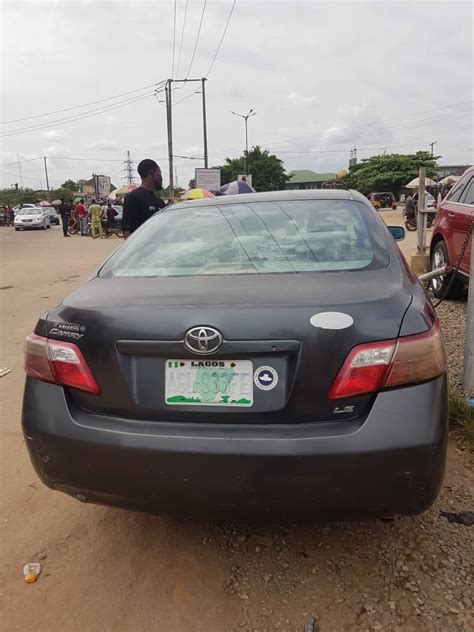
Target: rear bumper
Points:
(391, 463)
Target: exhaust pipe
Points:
(434, 274)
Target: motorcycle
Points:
(410, 220)
(411, 223)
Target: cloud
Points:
(192, 150)
(146, 36)
(104, 145)
(297, 99)
(55, 134)
(356, 123)
(57, 150)
(111, 119)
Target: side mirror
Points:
(397, 232)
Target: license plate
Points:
(225, 383)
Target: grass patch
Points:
(461, 417)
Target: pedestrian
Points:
(95, 213)
(140, 204)
(81, 213)
(110, 214)
(410, 206)
(65, 213)
(10, 216)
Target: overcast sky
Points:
(322, 77)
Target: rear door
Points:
(450, 220)
(464, 216)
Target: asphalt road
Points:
(110, 570)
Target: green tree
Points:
(390, 172)
(13, 197)
(268, 172)
(70, 185)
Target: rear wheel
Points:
(410, 223)
(439, 258)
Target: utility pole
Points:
(432, 145)
(128, 162)
(169, 124)
(246, 119)
(421, 215)
(46, 174)
(204, 122)
(20, 172)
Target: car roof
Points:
(274, 196)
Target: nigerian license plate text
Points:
(209, 383)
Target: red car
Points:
(454, 218)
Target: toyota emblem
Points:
(204, 340)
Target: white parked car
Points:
(20, 207)
(31, 217)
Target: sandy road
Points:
(112, 570)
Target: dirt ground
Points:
(111, 570)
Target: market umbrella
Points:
(56, 203)
(45, 203)
(122, 191)
(415, 183)
(76, 200)
(449, 180)
(196, 194)
(238, 186)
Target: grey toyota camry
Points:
(267, 353)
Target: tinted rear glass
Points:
(254, 238)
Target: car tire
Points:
(439, 257)
(17, 229)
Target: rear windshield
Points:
(254, 238)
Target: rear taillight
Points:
(59, 363)
(371, 367)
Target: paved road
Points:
(111, 570)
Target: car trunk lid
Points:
(130, 330)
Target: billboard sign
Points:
(102, 186)
(209, 179)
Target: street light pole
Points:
(432, 145)
(246, 119)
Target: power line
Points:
(197, 39)
(6, 164)
(174, 39)
(123, 94)
(182, 37)
(88, 159)
(186, 97)
(363, 125)
(74, 118)
(222, 39)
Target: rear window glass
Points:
(254, 238)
